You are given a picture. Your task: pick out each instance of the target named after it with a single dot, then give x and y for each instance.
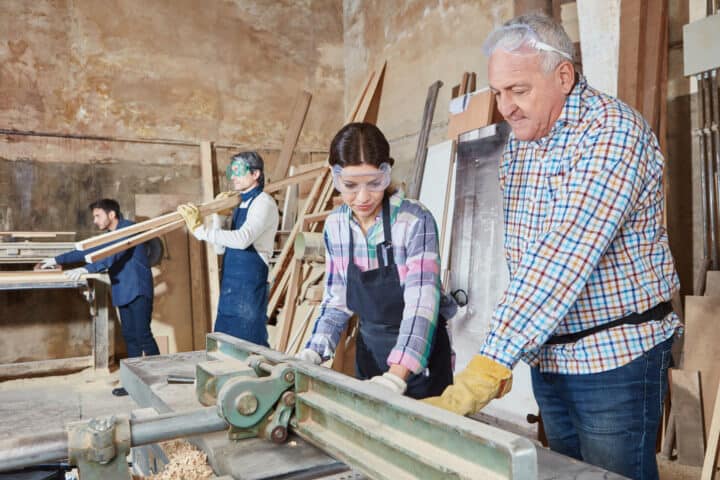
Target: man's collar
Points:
(570, 113)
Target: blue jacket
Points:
(129, 270)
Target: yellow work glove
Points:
(473, 388)
(223, 195)
(191, 215)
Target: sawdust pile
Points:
(185, 462)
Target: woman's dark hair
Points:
(108, 205)
(359, 143)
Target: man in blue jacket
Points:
(130, 276)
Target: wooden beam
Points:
(36, 234)
(133, 241)
(421, 151)
(685, 393)
(207, 169)
(291, 299)
(24, 369)
(710, 462)
(297, 119)
(40, 277)
(177, 222)
(632, 51)
(139, 227)
(295, 179)
(200, 305)
(315, 218)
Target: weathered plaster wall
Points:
(422, 41)
(84, 80)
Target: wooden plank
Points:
(316, 217)
(701, 352)
(479, 113)
(685, 393)
(40, 277)
(36, 234)
(413, 190)
(133, 241)
(291, 302)
(101, 325)
(464, 83)
(655, 21)
(24, 369)
(290, 205)
(370, 105)
(297, 119)
(201, 316)
(207, 170)
(709, 468)
(295, 179)
(632, 51)
(207, 208)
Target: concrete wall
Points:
(108, 98)
(422, 41)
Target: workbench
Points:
(96, 290)
(146, 381)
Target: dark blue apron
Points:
(376, 296)
(242, 308)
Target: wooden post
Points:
(302, 103)
(208, 192)
(101, 324)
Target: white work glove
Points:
(310, 356)
(390, 381)
(76, 273)
(48, 264)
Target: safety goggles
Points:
(346, 182)
(514, 37)
(237, 168)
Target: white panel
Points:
(599, 22)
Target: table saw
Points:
(260, 415)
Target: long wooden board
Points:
(297, 119)
(685, 394)
(295, 179)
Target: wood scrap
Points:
(185, 462)
(297, 119)
(296, 276)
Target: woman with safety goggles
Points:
(382, 264)
(247, 245)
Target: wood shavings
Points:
(185, 462)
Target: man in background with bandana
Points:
(247, 247)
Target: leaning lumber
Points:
(294, 179)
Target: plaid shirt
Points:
(415, 247)
(584, 240)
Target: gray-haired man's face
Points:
(529, 99)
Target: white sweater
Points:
(259, 229)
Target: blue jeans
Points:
(135, 320)
(609, 419)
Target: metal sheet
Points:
(701, 45)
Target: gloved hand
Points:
(482, 381)
(76, 273)
(223, 195)
(310, 356)
(390, 381)
(191, 214)
(47, 264)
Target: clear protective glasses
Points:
(346, 182)
(237, 168)
(514, 37)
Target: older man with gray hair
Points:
(591, 274)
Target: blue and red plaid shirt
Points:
(584, 240)
(415, 248)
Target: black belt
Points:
(658, 312)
